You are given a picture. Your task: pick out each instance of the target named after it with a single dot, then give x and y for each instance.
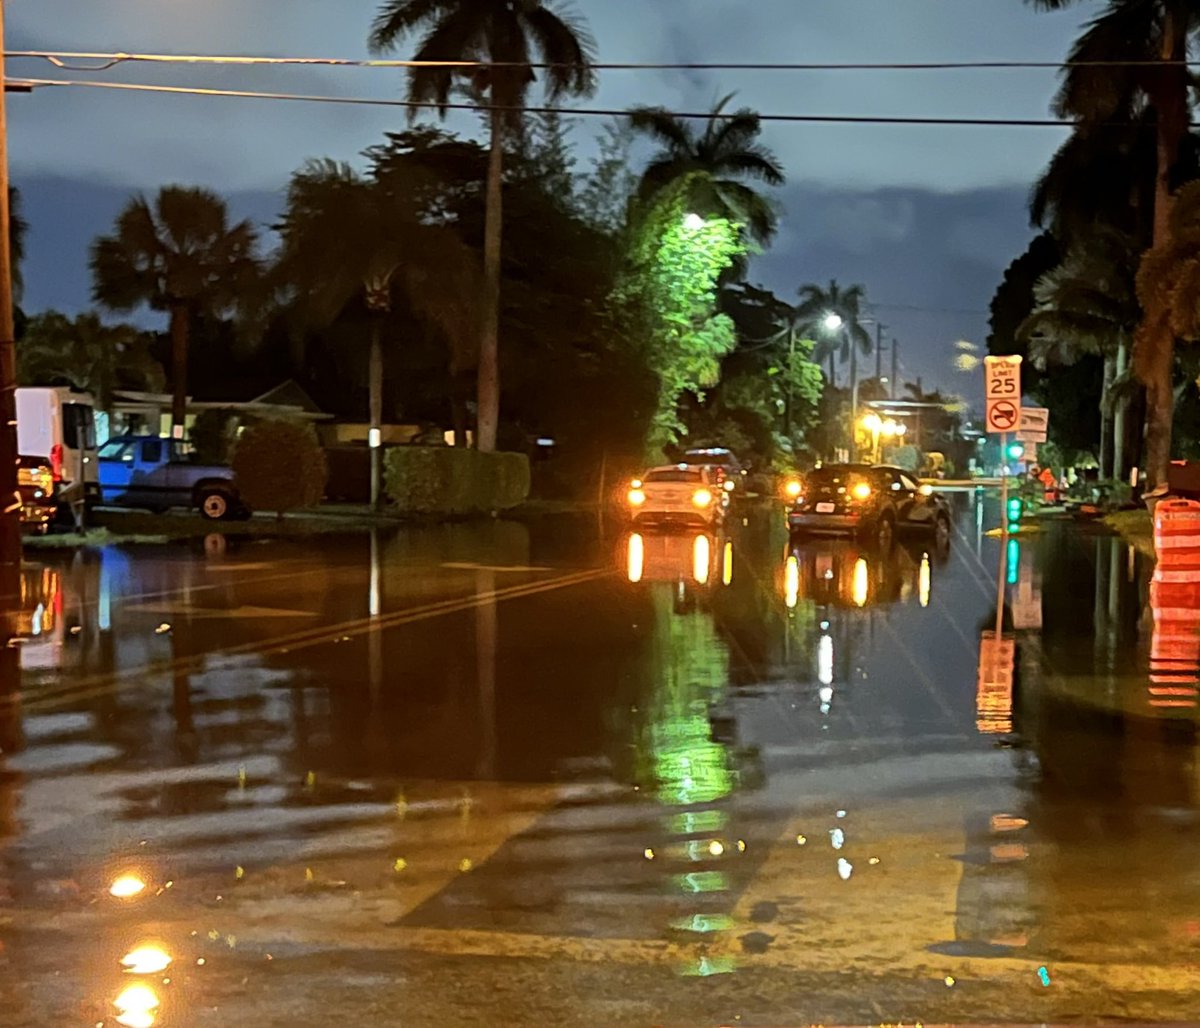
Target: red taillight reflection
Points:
(56, 461)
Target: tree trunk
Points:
(375, 402)
(1106, 446)
(1155, 360)
(488, 416)
(832, 373)
(179, 368)
(1119, 430)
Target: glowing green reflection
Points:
(703, 881)
(695, 822)
(705, 923)
(706, 966)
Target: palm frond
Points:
(566, 44)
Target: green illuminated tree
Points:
(670, 287)
(179, 254)
(506, 35)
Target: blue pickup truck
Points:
(154, 474)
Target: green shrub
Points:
(212, 436)
(454, 481)
(280, 466)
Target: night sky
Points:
(926, 218)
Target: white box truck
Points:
(59, 424)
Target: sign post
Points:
(1002, 381)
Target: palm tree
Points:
(501, 36)
(1089, 305)
(1155, 37)
(180, 255)
(716, 163)
(346, 238)
(86, 353)
(845, 339)
(834, 317)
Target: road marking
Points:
(191, 611)
(88, 687)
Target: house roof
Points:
(290, 394)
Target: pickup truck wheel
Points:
(215, 505)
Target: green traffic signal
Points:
(1016, 507)
(1015, 451)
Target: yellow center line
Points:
(100, 684)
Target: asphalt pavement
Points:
(555, 773)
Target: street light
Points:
(881, 429)
(833, 322)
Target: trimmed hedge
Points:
(453, 481)
(280, 466)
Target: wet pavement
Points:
(557, 774)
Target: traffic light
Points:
(1015, 451)
(1016, 508)
(1014, 562)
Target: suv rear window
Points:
(674, 475)
(839, 475)
(701, 457)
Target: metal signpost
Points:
(1002, 388)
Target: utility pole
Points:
(895, 365)
(879, 327)
(10, 499)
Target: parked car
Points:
(155, 474)
(39, 494)
(677, 494)
(871, 502)
(59, 424)
(719, 462)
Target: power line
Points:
(62, 59)
(818, 119)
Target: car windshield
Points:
(674, 475)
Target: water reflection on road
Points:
(766, 755)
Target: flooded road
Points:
(556, 774)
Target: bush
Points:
(212, 436)
(280, 466)
(452, 480)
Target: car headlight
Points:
(702, 498)
(861, 491)
(794, 488)
(729, 485)
(926, 490)
(636, 497)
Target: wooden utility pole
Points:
(10, 499)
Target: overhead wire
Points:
(62, 59)
(819, 119)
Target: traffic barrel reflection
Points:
(1175, 644)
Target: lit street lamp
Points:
(882, 429)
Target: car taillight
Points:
(56, 462)
(861, 492)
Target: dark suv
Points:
(871, 502)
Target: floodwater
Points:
(561, 774)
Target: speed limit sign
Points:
(1003, 390)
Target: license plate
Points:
(825, 508)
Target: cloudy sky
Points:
(926, 218)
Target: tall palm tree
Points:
(179, 254)
(346, 238)
(849, 338)
(1156, 36)
(501, 35)
(716, 162)
(1089, 305)
(834, 317)
(89, 355)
